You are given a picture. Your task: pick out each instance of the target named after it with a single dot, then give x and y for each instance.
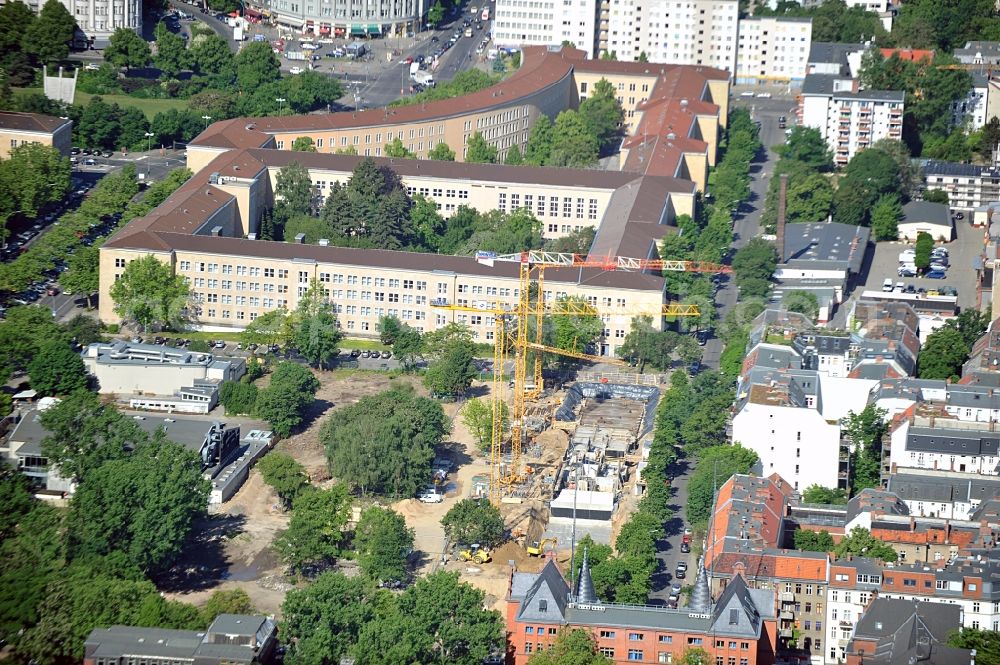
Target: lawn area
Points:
(148, 106)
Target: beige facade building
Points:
(207, 231)
(20, 128)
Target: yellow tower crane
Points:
(511, 326)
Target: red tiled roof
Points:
(908, 54)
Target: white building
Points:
(944, 444)
(850, 120)
(122, 368)
(98, 19)
(969, 186)
(945, 494)
(527, 22)
(973, 111)
(696, 32)
(773, 50)
(791, 419)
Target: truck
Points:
(425, 79)
(295, 55)
(238, 34)
(486, 14)
(414, 69)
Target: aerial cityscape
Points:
(516, 333)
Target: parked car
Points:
(355, 353)
(685, 548)
(681, 571)
(295, 70)
(887, 285)
(430, 495)
(906, 271)
(386, 355)
(936, 274)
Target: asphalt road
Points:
(747, 222)
(669, 549)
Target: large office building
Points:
(97, 20)
(17, 129)
(341, 18)
(207, 230)
(773, 50)
(529, 22)
(850, 119)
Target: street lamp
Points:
(149, 149)
(281, 101)
(206, 118)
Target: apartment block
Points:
(977, 108)
(969, 186)
(340, 18)
(849, 120)
(698, 32)
(773, 50)
(17, 129)
(527, 22)
(895, 631)
(945, 444)
(97, 20)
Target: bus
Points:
(486, 14)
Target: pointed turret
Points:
(701, 595)
(585, 592)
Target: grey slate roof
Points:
(905, 632)
(820, 84)
(832, 52)
(873, 500)
(953, 441)
(944, 487)
(841, 246)
(546, 599)
(923, 211)
(938, 168)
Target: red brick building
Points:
(739, 628)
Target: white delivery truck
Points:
(238, 34)
(425, 79)
(414, 68)
(295, 55)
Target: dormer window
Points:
(543, 606)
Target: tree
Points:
(572, 647)
(293, 193)
(574, 332)
(985, 642)
(477, 416)
(172, 56)
(865, 430)
(809, 198)
(441, 153)
(284, 402)
(315, 534)
(82, 273)
(924, 246)
(127, 49)
(436, 342)
(754, 261)
(285, 475)
(38, 174)
(435, 15)
(860, 542)
(603, 114)
(806, 145)
(212, 57)
(384, 443)
(239, 398)
(573, 142)
(825, 495)
(397, 150)
(227, 601)
(695, 656)
(936, 196)
(322, 621)
(316, 334)
(407, 345)
(715, 466)
(142, 505)
(803, 302)
(943, 354)
(149, 293)
(513, 157)
(372, 210)
(453, 372)
(304, 144)
(388, 329)
(269, 328)
(885, 217)
(383, 542)
(479, 151)
(578, 241)
(474, 521)
(813, 541)
(256, 66)
(84, 434)
(643, 344)
(57, 369)
(539, 142)
(48, 38)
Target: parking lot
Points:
(961, 275)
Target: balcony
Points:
(785, 632)
(787, 597)
(787, 616)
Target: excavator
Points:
(537, 548)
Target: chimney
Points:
(300, 238)
(216, 231)
(782, 195)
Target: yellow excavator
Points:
(537, 548)
(475, 553)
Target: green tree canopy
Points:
(304, 144)
(715, 466)
(384, 443)
(442, 153)
(453, 372)
(315, 534)
(572, 647)
(127, 49)
(256, 65)
(573, 142)
(316, 334)
(172, 56)
(885, 217)
(286, 476)
(48, 38)
(57, 369)
(472, 521)
(148, 293)
(603, 114)
(479, 151)
(754, 263)
(383, 542)
(860, 542)
(285, 401)
(813, 541)
(539, 142)
(806, 145)
(826, 495)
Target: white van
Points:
(887, 285)
(907, 256)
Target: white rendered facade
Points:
(98, 19)
(773, 49)
(972, 112)
(697, 32)
(534, 22)
(902, 456)
(853, 121)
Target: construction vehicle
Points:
(511, 332)
(475, 554)
(537, 548)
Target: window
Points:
(608, 634)
(635, 654)
(609, 652)
(666, 639)
(635, 637)
(529, 630)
